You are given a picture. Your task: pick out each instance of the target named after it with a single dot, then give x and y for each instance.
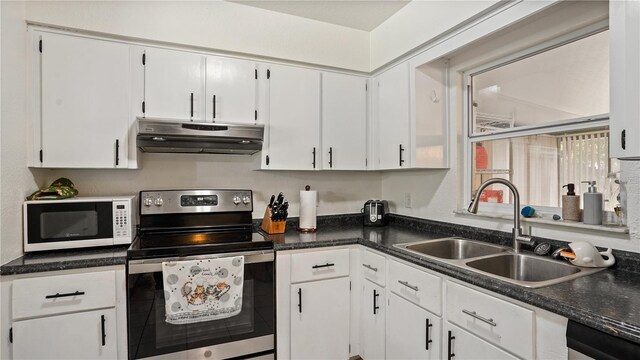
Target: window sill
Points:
(544, 221)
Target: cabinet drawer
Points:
(373, 267)
(417, 286)
(319, 265)
(63, 294)
(499, 322)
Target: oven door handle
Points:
(155, 265)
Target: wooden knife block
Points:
(272, 227)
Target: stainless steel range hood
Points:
(171, 136)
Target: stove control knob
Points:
(236, 200)
(246, 199)
(148, 202)
(158, 202)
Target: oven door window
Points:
(67, 222)
(150, 334)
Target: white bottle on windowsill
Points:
(592, 213)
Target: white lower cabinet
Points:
(462, 345)
(372, 321)
(85, 335)
(412, 332)
(401, 311)
(320, 319)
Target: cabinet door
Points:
(86, 335)
(393, 118)
(412, 332)
(294, 118)
(344, 117)
(320, 319)
(372, 336)
(624, 79)
(459, 344)
(231, 90)
(174, 85)
(85, 102)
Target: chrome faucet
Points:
(516, 233)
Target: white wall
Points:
(339, 192)
(213, 25)
(418, 22)
(437, 193)
(16, 180)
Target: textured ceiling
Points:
(363, 15)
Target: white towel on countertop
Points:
(202, 290)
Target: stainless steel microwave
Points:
(78, 222)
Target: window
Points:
(540, 120)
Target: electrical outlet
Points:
(407, 200)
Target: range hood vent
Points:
(171, 136)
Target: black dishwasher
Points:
(583, 340)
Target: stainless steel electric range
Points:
(177, 225)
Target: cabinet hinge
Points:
(143, 107)
(268, 74)
(349, 349)
(349, 285)
(366, 162)
(256, 115)
(256, 72)
(11, 335)
(40, 45)
(366, 87)
(40, 155)
(144, 59)
(267, 160)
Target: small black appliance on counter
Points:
(376, 213)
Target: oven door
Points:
(249, 332)
(61, 225)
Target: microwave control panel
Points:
(122, 221)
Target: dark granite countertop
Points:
(608, 300)
(66, 260)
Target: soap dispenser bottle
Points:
(570, 204)
(592, 205)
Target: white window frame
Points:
(585, 123)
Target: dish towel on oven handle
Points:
(202, 290)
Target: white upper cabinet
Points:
(344, 122)
(82, 94)
(294, 119)
(624, 29)
(428, 120)
(231, 91)
(174, 85)
(392, 118)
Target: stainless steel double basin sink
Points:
(498, 262)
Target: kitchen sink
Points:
(453, 248)
(498, 262)
(527, 270)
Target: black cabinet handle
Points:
(300, 300)
(214, 107)
(375, 301)
(191, 104)
(623, 139)
(322, 266)
(104, 334)
(314, 157)
(330, 157)
(400, 153)
(450, 339)
(58, 295)
(117, 152)
(428, 341)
